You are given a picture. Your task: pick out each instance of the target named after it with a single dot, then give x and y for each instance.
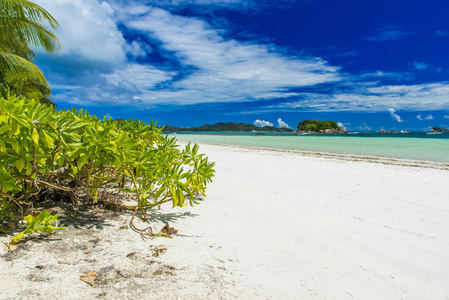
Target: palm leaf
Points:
(22, 19)
(13, 65)
(21, 26)
(26, 85)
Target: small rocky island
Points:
(438, 129)
(314, 126)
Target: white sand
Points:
(275, 225)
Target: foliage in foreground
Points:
(54, 155)
(43, 223)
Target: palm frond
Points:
(12, 65)
(22, 19)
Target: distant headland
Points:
(307, 126)
(304, 127)
(230, 126)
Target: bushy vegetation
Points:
(316, 126)
(70, 155)
(47, 154)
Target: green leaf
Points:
(42, 216)
(21, 121)
(174, 196)
(83, 159)
(17, 238)
(128, 190)
(29, 168)
(35, 136)
(48, 140)
(15, 128)
(34, 225)
(180, 197)
(57, 155)
(20, 164)
(29, 219)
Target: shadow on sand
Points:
(155, 216)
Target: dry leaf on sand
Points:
(89, 278)
(10, 247)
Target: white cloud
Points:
(420, 65)
(282, 124)
(364, 127)
(341, 125)
(87, 30)
(138, 49)
(388, 34)
(382, 74)
(441, 33)
(166, 3)
(142, 76)
(394, 115)
(262, 123)
(422, 97)
(202, 5)
(210, 66)
(429, 117)
(419, 117)
(446, 117)
(253, 71)
(100, 92)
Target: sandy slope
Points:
(275, 225)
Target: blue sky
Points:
(368, 65)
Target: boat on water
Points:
(434, 132)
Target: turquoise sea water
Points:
(414, 146)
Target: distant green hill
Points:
(317, 126)
(231, 126)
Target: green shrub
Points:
(46, 152)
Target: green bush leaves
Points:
(43, 222)
(43, 150)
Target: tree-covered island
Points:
(314, 126)
(439, 129)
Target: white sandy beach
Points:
(275, 225)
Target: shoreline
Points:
(274, 225)
(341, 156)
